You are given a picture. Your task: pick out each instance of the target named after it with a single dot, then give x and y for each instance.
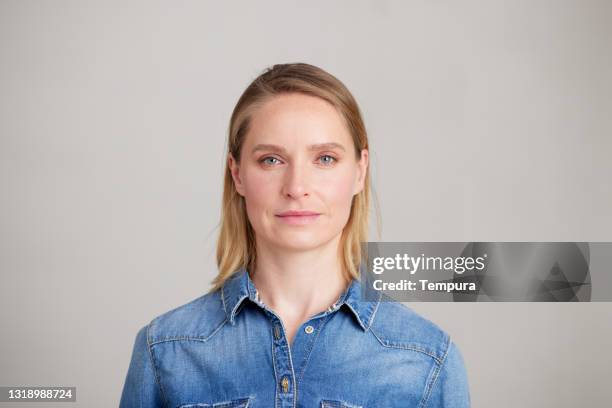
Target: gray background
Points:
(488, 120)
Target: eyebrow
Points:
(314, 147)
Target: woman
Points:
(284, 324)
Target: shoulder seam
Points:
(153, 365)
(194, 338)
(412, 347)
(435, 375)
(211, 323)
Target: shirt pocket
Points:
(338, 404)
(239, 403)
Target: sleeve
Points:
(141, 388)
(450, 388)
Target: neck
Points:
(299, 284)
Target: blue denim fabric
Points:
(227, 349)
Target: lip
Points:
(297, 213)
(298, 217)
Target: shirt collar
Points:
(239, 286)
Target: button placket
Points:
(304, 344)
(283, 366)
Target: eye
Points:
(327, 160)
(268, 160)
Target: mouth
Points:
(298, 217)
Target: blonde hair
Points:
(236, 242)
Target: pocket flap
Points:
(337, 404)
(239, 403)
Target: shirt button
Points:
(276, 332)
(285, 384)
(308, 329)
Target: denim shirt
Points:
(226, 349)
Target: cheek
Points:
(340, 191)
(259, 190)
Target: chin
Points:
(299, 242)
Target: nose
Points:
(296, 182)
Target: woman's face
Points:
(298, 172)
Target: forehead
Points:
(297, 117)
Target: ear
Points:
(362, 169)
(234, 168)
